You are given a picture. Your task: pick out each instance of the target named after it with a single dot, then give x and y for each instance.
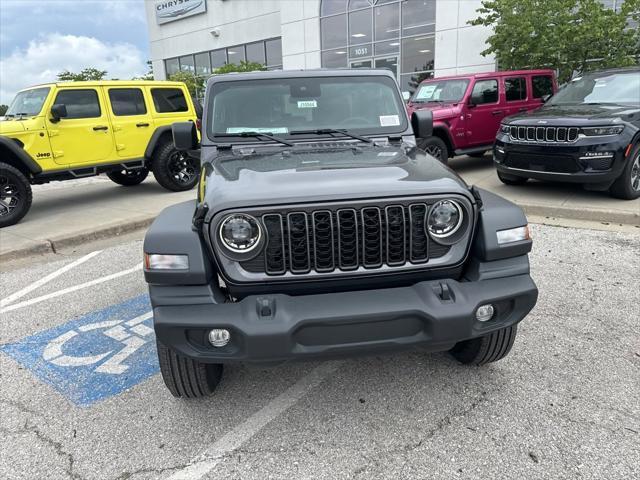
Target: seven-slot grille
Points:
(544, 134)
(345, 239)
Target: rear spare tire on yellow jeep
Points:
(15, 195)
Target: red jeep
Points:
(467, 109)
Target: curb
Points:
(547, 211)
(77, 238)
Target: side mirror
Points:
(406, 96)
(185, 136)
(422, 123)
(58, 111)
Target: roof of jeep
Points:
(312, 73)
(109, 83)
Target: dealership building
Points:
(415, 39)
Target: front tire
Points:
(435, 147)
(15, 195)
(511, 179)
(489, 348)
(185, 377)
(627, 186)
(128, 178)
(173, 169)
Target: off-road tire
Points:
(627, 185)
(435, 147)
(15, 194)
(185, 377)
(128, 178)
(511, 179)
(163, 166)
(486, 349)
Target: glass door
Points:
(390, 63)
(361, 64)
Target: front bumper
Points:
(274, 328)
(587, 161)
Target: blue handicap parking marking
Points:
(96, 356)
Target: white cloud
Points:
(50, 54)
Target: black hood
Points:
(577, 115)
(302, 174)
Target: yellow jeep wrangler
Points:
(64, 131)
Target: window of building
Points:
(169, 100)
(236, 54)
(333, 31)
(255, 53)
(274, 52)
(386, 21)
(172, 66)
(80, 103)
(542, 85)
(485, 91)
(203, 63)
(360, 27)
(127, 101)
(218, 58)
(394, 34)
(515, 89)
(418, 17)
(187, 64)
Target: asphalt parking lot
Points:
(81, 396)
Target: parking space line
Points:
(44, 280)
(64, 291)
(241, 434)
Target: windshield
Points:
(28, 102)
(450, 91)
(280, 106)
(617, 88)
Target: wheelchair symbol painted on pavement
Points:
(133, 334)
(98, 355)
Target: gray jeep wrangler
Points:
(320, 230)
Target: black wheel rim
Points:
(635, 173)
(9, 196)
(182, 168)
(434, 151)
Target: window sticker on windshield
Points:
(273, 130)
(389, 120)
(307, 104)
(426, 92)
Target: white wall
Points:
(458, 45)
(300, 33)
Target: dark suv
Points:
(321, 230)
(588, 133)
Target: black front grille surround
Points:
(550, 134)
(346, 239)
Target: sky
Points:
(39, 39)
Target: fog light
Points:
(484, 313)
(219, 337)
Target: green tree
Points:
(239, 67)
(85, 74)
(570, 36)
(149, 74)
(3, 109)
(194, 84)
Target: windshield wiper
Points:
(329, 131)
(256, 135)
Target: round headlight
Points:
(445, 218)
(240, 233)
